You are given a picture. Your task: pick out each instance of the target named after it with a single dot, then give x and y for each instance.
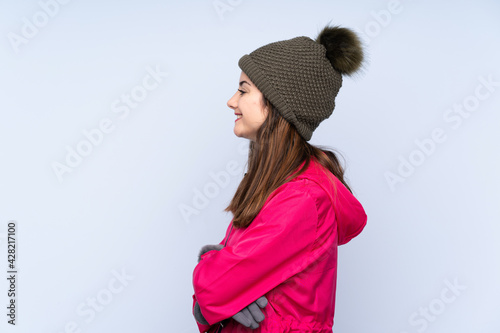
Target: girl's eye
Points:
(241, 92)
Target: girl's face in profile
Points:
(248, 107)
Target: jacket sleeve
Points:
(205, 328)
(202, 328)
(273, 248)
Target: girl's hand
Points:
(209, 247)
(251, 316)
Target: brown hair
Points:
(277, 152)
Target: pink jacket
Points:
(288, 253)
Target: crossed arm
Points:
(276, 246)
(250, 316)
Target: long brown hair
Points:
(277, 152)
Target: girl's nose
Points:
(231, 103)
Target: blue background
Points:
(122, 208)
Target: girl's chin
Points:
(240, 135)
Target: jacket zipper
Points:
(228, 235)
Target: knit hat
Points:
(301, 77)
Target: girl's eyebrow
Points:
(241, 83)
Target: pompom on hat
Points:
(301, 77)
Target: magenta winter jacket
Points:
(288, 253)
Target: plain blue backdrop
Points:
(118, 157)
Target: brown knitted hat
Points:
(301, 77)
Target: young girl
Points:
(276, 268)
